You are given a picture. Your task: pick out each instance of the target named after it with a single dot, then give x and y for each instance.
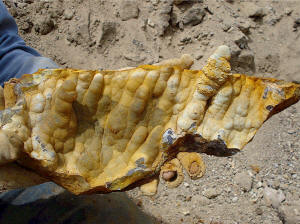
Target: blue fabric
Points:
(16, 58)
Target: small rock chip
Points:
(244, 26)
(240, 39)
(226, 26)
(25, 26)
(254, 11)
(188, 198)
(201, 200)
(22, 5)
(186, 212)
(193, 16)
(235, 199)
(244, 180)
(297, 23)
(258, 211)
(55, 13)
(186, 185)
(290, 213)
(44, 26)
(134, 57)
(129, 10)
(255, 168)
(68, 14)
(149, 188)
(164, 16)
(150, 23)
(273, 197)
(259, 13)
(259, 184)
(211, 193)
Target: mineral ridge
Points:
(101, 131)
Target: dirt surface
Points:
(261, 184)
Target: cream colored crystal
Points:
(100, 131)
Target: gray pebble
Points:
(186, 185)
(288, 11)
(211, 193)
(193, 16)
(273, 197)
(22, 5)
(259, 185)
(235, 199)
(129, 10)
(297, 23)
(186, 212)
(254, 11)
(258, 211)
(241, 40)
(68, 14)
(244, 180)
(226, 26)
(44, 26)
(244, 26)
(290, 213)
(200, 200)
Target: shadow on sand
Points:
(48, 203)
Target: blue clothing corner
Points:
(16, 58)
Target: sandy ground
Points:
(259, 185)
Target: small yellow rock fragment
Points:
(172, 173)
(149, 188)
(192, 163)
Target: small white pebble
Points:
(186, 185)
(186, 212)
(234, 199)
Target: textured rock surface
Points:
(272, 52)
(100, 131)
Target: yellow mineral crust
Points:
(171, 173)
(100, 131)
(192, 163)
